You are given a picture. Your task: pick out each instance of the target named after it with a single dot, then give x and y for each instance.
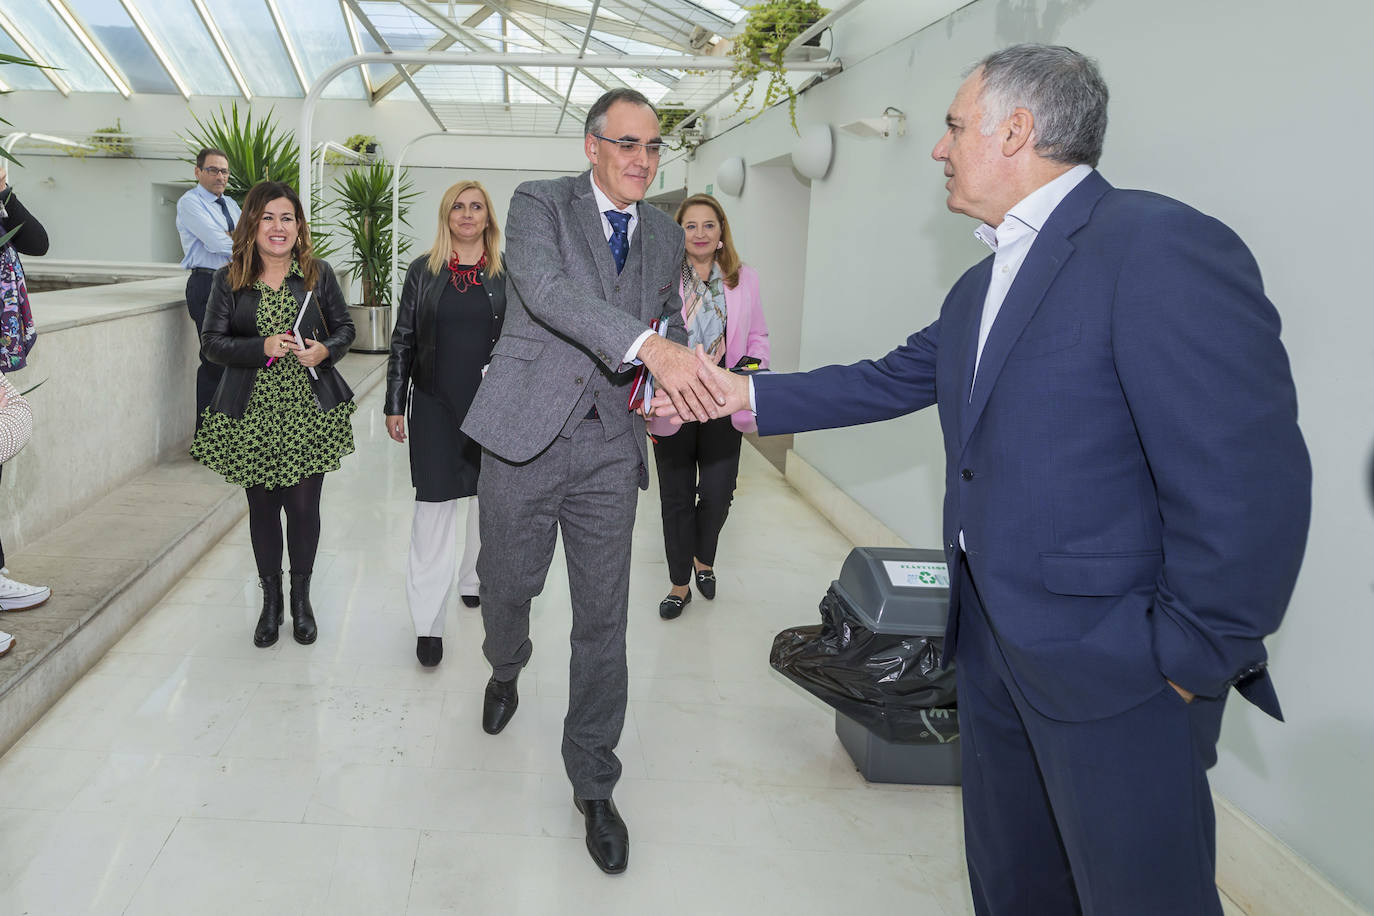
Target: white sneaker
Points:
(16, 596)
(6, 642)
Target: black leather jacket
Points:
(412, 340)
(230, 338)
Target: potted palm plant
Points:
(770, 28)
(256, 150)
(362, 217)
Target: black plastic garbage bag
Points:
(892, 685)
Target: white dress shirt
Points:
(1012, 241)
(603, 203)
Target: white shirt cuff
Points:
(632, 354)
(752, 403)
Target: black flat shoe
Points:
(429, 650)
(471, 600)
(672, 606)
(706, 583)
(498, 705)
(269, 621)
(608, 839)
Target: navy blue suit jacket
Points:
(1128, 474)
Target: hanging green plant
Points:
(257, 150)
(770, 28)
(670, 117)
(112, 141)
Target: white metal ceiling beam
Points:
(401, 74)
(564, 42)
(351, 25)
(142, 25)
(478, 43)
(443, 43)
(581, 52)
(492, 59)
(31, 52)
(88, 42)
(215, 35)
(287, 43)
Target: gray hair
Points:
(596, 117)
(1061, 88)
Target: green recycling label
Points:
(905, 574)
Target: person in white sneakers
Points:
(16, 423)
(6, 643)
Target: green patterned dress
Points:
(283, 436)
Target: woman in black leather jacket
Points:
(450, 315)
(280, 417)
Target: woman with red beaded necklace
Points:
(449, 317)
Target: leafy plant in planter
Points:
(256, 150)
(112, 140)
(366, 144)
(363, 214)
(770, 28)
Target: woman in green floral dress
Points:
(280, 418)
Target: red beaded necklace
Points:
(468, 277)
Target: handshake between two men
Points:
(688, 386)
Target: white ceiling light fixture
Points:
(730, 176)
(814, 150)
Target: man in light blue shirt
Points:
(205, 221)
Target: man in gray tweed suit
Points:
(588, 269)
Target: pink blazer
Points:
(746, 334)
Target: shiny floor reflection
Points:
(191, 773)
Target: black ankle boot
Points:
(270, 620)
(302, 614)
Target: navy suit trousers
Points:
(208, 374)
(1110, 817)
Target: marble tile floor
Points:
(192, 773)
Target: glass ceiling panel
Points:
(462, 84)
(55, 41)
(177, 27)
(17, 77)
(321, 39)
(109, 24)
(251, 35)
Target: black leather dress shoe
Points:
(706, 583)
(498, 705)
(471, 600)
(672, 606)
(608, 839)
(429, 650)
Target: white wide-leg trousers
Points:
(433, 553)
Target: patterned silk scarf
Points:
(704, 310)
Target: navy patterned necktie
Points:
(620, 237)
(228, 221)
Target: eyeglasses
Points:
(222, 173)
(654, 147)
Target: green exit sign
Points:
(711, 189)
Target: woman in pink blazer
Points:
(699, 462)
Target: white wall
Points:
(1247, 109)
(124, 209)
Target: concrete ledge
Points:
(110, 564)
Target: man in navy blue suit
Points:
(1127, 498)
